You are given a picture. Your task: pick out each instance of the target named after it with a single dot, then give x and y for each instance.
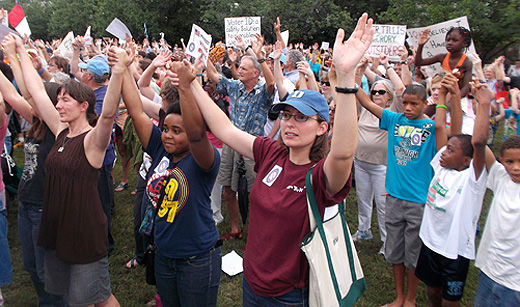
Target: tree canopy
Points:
(494, 24)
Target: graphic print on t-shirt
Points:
(175, 186)
(435, 188)
(270, 178)
(410, 136)
(31, 161)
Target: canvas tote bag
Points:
(335, 277)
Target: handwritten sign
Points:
(325, 46)
(387, 40)
(199, 43)
(245, 27)
(436, 43)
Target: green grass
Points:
(130, 288)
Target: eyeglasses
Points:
(301, 118)
(325, 83)
(380, 92)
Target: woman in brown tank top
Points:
(74, 228)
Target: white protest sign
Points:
(325, 46)
(4, 31)
(199, 43)
(88, 38)
(285, 37)
(65, 48)
(387, 40)
(245, 27)
(118, 29)
(436, 43)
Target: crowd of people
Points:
(416, 146)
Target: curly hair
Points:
(512, 142)
(465, 33)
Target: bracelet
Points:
(347, 90)
(388, 67)
(198, 75)
(441, 106)
(404, 62)
(41, 72)
(247, 48)
(261, 60)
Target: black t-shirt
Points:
(31, 187)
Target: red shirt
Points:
(279, 220)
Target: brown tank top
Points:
(73, 222)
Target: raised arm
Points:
(76, 49)
(392, 75)
(34, 84)
(278, 74)
(277, 29)
(97, 139)
(304, 67)
(477, 66)
(200, 146)
(268, 75)
(212, 72)
(338, 164)
(144, 82)
(220, 125)
(419, 61)
(483, 95)
(451, 83)
(406, 74)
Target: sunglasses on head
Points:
(380, 92)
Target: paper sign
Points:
(199, 44)
(436, 44)
(325, 46)
(5, 21)
(387, 40)
(4, 31)
(88, 38)
(232, 264)
(65, 48)
(285, 37)
(118, 29)
(245, 27)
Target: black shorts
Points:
(438, 271)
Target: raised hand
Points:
(257, 46)
(184, 72)
(403, 53)
(78, 43)
(383, 59)
(233, 56)
(304, 67)
(118, 57)
(481, 92)
(450, 82)
(161, 59)
(347, 54)
(277, 25)
(9, 45)
(424, 36)
(277, 53)
(240, 43)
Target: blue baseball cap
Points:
(96, 66)
(307, 102)
(283, 58)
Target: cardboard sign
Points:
(65, 48)
(325, 46)
(87, 37)
(285, 37)
(199, 44)
(245, 27)
(118, 29)
(387, 40)
(436, 44)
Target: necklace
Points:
(62, 147)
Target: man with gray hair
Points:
(250, 99)
(291, 67)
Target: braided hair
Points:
(465, 33)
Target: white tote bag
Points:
(336, 277)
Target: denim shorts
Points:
(6, 272)
(490, 294)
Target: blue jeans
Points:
(32, 255)
(188, 282)
(297, 297)
(489, 294)
(6, 272)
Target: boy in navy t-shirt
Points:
(411, 147)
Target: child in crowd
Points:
(499, 251)
(454, 197)
(411, 146)
(457, 39)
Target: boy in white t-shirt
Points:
(498, 256)
(454, 198)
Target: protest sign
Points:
(65, 48)
(245, 27)
(118, 29)
(87, 37)
(436, 43)
(199, 44)
(325, 46)
(285, 37)
(387, 40)
(4, 31)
